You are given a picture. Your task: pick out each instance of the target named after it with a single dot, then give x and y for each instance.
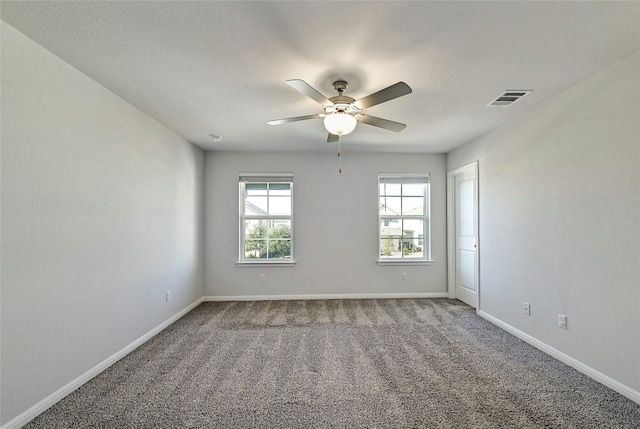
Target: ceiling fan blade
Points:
(389, 93)
(382, 123)
(294, 119)
(332, 138)
(309, 91)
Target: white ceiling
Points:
(206, 68)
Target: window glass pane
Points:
(392, 223)
(256, 205)
(411, 247)
(390, 247)
(255, 229)
(390, 238)
(280, 222)
(280, 240)
(267, 239)
(413, 206)
(263, 228)
(280, 188)
(255, 188)
(279, 229)
(402, 238)
(390, 189)
(390, 205)
(280, 249)
(412, 235)
(413, 227)
(413, 189)
(279, 205)
(255, 249)
(255, 244)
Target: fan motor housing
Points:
(341, 99)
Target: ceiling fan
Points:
(342, 113)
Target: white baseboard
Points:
(56, 396)
(562, 357)
(326, 296)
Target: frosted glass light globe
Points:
(340, 123)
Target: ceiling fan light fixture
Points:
(340, 123)
(342, 113)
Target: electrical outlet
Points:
(167, 296)
(404, 277)
(526, 309)
(263, 278)
(562, 321)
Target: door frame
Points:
(451, 237)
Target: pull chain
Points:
(339, 155)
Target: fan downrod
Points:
(340, 101)
(340, 86)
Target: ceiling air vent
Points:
(509, 97)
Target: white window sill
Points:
(404, 262)
(265, 263)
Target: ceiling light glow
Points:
(340, 123)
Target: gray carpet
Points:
(414, 363)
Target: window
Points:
(266, 219)
(403, 218)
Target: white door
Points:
(465, 234)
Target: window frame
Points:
(263, 178)
(406, 178)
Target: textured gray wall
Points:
(101, 214)
(560, 221)
(335, 226)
